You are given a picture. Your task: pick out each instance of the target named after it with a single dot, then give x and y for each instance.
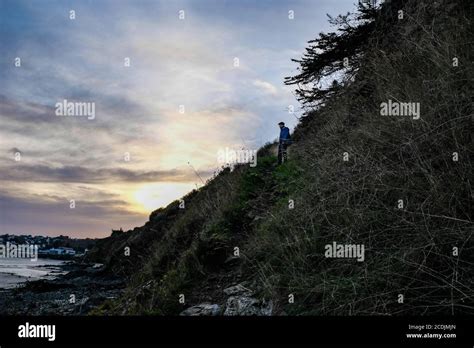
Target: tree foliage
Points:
(339, 53)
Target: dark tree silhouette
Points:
(339, 51)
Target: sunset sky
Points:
(174, 62)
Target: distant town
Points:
(61, 247)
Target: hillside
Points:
(400, 186)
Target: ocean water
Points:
(15, 271)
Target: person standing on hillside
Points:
(285, 140)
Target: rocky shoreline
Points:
(80, 288)
(238, 300)
(77, 292)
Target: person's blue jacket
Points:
(285, 135)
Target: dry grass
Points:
(409, 251)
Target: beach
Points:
(54, 287)
(16, 271)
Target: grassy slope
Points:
(408, 251)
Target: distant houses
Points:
(61, 251)
(60, 247)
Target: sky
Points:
(172, 83)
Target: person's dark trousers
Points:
(282, 155)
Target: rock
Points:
(205, 309)
(244, 305)
(238, 289)
(40, 286)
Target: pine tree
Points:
(339, 52)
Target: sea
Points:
(16, 271)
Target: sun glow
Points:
(153, 196)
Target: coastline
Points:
(13, 273)
(76, 290)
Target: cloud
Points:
(266, 87)
(78, 174)
(54, 217)
(14, 150)
(173, 62)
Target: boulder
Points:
(247, 306)
(238, 289)
(203, 309)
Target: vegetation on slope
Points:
(409, 250)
